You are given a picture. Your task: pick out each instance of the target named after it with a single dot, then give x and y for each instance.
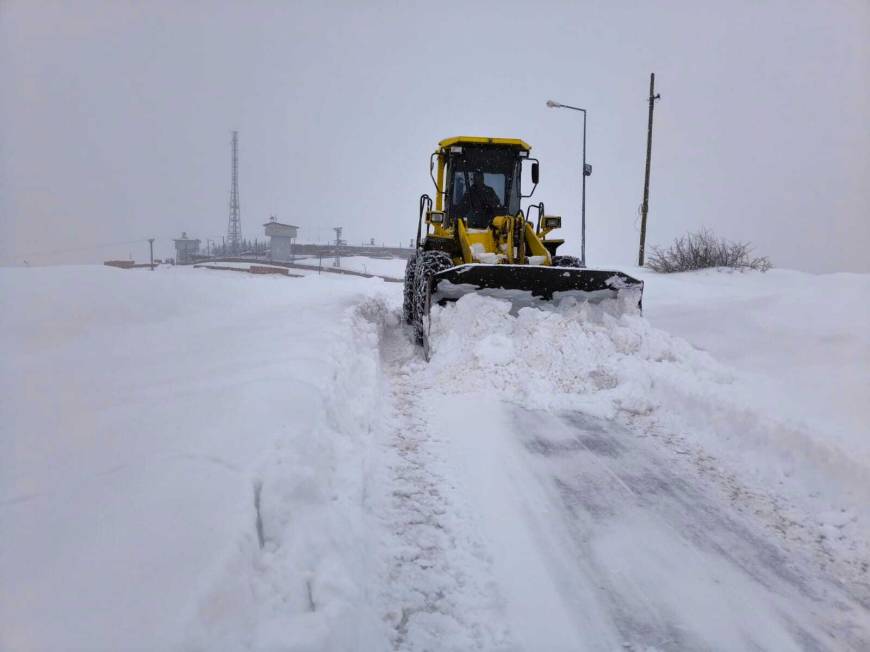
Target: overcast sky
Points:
(115, 119)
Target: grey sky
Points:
(115, 118)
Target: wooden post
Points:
(645, 206)
(151, 246)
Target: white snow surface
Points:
(202, 460)
(142, 416)
(390, 267)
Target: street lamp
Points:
(585, 172)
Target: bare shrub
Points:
(701, 250)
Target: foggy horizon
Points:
(117, 120)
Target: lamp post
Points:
(585, 172)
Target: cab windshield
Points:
(483, 182)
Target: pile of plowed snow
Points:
(599, 358)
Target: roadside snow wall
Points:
(184, 459)
(298, 574)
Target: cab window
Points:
(495, 180)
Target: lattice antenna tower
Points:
(234, 230)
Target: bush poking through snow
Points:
(703, 249)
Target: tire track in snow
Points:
(437, 593)
(671, 562)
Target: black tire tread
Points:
(429, 263)
(408, 291)
(566, 261)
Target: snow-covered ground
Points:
(195, 459)
(799, 418)
(391, 267)
(145, 415)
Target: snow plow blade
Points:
(514, 282)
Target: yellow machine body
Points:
(476, 238)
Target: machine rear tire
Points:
(429, 263)
(408, 291)
(567, 261)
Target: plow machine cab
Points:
(476, 237)
(478, 189)
(482, 181)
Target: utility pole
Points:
(151, 246)
(585, 172)
(644, 208)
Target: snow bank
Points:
(297, 579)
(574, 355)
(183, 459)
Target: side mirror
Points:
(535, 173)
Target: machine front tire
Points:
(429, 263)
(567, 261)
(408, 291)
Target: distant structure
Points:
(338, 243)
(122, 264)
(281, 237)
(185, 249)
(234, 230)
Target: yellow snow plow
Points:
(477, 238)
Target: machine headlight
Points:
(552, 222)
(436, 217)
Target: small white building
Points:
(281, 237)
(185, 249)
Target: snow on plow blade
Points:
(519, 282)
